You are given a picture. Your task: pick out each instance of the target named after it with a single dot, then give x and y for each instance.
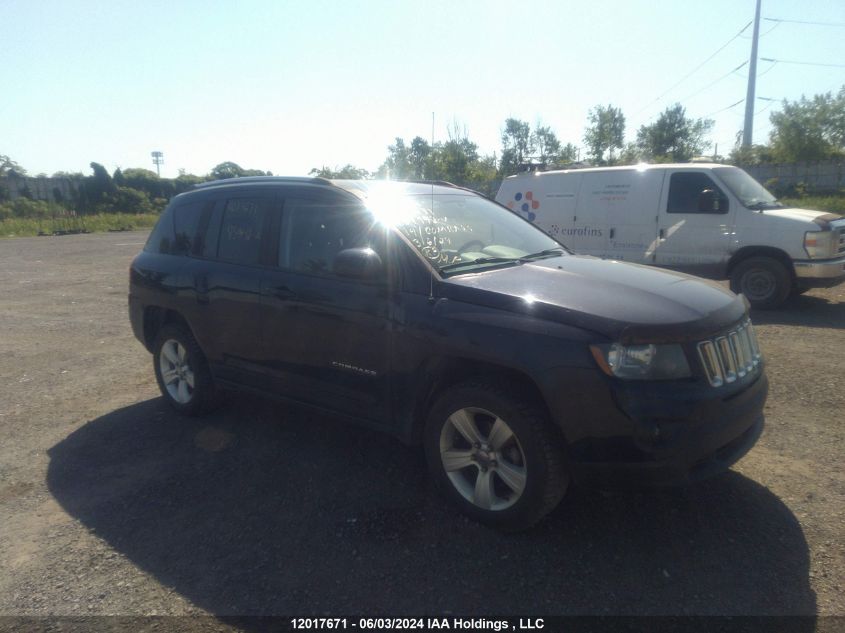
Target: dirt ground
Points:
(111, 504)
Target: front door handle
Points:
(201, 286)
(281, 292)
(612, 232)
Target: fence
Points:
(817, 177)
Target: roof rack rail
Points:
(260, 179)
(442, 183)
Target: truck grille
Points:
(841, 242)
(731, 355)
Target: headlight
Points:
(642, 362)
(820, 244)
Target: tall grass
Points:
(25, 227)
(831, 204)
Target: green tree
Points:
(127, 200)
(233, 170)
(673, 137)
(516, 146)
(8, 167)
(397, 165)
(419, 157)
(754, 155)
(347, 172)
(809, 129)
(546, 145)
(605, 133)
(186, 181)
(630, 155)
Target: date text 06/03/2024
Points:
(420, 624)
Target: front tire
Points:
(182, 372)
(764, 281)
(494, 455)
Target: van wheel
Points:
(182, 372)
(764, 281)
(494, 456)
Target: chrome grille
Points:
(731, 355)
(841, 247)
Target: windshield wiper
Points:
(480, 260)
(549, 252)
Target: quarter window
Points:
(240, 231)
(694, 192)
(186, 222)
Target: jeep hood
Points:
(622, 301)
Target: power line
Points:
(713, 83)
(733, 105)
(694, 70)
(839, 24)
(762, 35)
(788, 61)
(764, 108)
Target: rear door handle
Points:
(612, 232)
(662, 234)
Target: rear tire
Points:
(182, 372)
(764, 281)
(494, 455)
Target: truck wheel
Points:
(494, 456)
(182, 372)
(764, 281)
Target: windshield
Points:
(750, 192)
(461, 232)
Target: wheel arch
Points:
(155, 318)
(447, 372)
(747, 252)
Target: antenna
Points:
(431, 276)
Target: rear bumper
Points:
(136, 318)
(819, 273)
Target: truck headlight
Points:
(820, 244)
(642, 362)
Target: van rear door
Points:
(695, 225)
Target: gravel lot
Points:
(111, 504)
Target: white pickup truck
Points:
(705, 219)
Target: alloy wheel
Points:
(483, 459)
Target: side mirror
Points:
(708, 201)
(358, 263)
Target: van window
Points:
(240, 231)
(685, 194)
(313, 233)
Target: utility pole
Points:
(748, 127)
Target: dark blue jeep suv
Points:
(437, 315)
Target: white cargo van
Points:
(705, 219)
